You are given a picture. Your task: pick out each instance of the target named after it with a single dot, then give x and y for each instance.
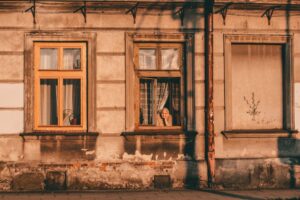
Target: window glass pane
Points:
(48, 58)
(147, 59)
(146, 102)
(71, 102)
(160, 101)
(72, 58)
(256, 86)
(169, 59)
(168, 102)
(48, 102)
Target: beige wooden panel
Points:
(12, 95)
(111, 68)
(111, 122)
(111, 41)
(111, 95)
(12, 121)
(11, 41)
(256, 81)
(11, 67)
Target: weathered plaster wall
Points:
(251, 160)
(252, 23)
(260, 150)
(110, 160)
(81, 163)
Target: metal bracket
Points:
(82, 10)
(181, 13)
(133, 11)
(223, 11)
(32, 9)
(269, 13)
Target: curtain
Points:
(162, 94)
(147, 59)
(71, 58)
(48, 58)
(169, 59)
(71, 98)
(146, 102)
(175, 101)
(48, 102)
(167, 95)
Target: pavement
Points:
(155, 195)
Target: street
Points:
(155, 195)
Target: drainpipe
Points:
(209, 106)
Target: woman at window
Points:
(164, 118)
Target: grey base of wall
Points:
(230, 173)
(92, 163)
(99, 176)
(258, 173)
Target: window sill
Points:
(264, 133)
(159, 133)
(42, 134)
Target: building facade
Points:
(149, 94)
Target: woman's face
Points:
(165, 114)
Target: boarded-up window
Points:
(256, 86)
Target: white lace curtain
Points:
(48, 102)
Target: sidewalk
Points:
(156, 195)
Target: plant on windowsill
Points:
(69, 117)
(73, 120)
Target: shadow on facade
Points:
(289, 146)
(69, 148)
(174, 148)
(287, 152)
(164, 148)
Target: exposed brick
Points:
(33, 181)
(55, 180)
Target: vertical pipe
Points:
(209, 107)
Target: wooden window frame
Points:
(186, 73)
(90, 39)
(156, 74)
(287, 86)
(60, 74)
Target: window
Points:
(160, 74)
(257, 83)
(159, 83)
(60, 86)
